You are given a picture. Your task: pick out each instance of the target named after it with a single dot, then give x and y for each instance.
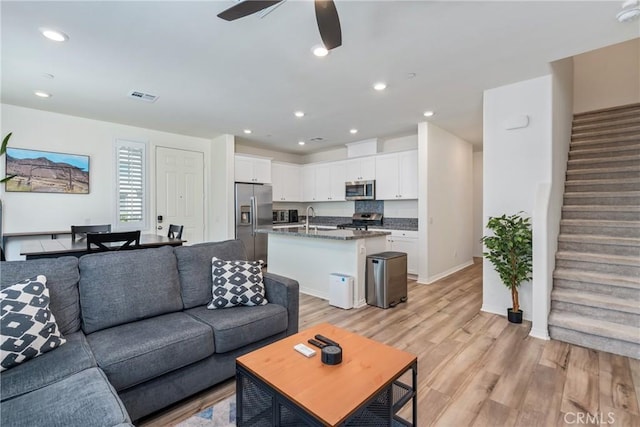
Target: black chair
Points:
(127, 239)
(82, 230)
(175, 231)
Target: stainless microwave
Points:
(360, 190)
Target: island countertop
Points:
(323, 234)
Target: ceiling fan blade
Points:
(245, 8)
(328, 23)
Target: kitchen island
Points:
(311, 256)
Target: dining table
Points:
(65, 246)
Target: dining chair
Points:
(127, 239)
(82, 230)
(175, 231)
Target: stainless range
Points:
(362, 221)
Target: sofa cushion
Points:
(122, 287)
(28, 329)
(53, 366)
(194, 266)
(238, 326)
(236, 283)
(83, 399)
(136, 352)
(62, 280)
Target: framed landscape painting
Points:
(47, 172)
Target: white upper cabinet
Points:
(323, 182)
(361, 169)
(287, 182)
(252, 169)
(397, 175)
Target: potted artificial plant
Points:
(510, 250)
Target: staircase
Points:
(595, 300)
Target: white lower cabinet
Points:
(405, 241)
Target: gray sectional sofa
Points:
(139, 335)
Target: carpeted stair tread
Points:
(607, 113)
(602, 208)
(600, 223)
(609, 140)
(598, 258)
(620, 121)
(597, 327)
(601, 240)
(604, 181)
(605, 150)
(596, 300)
(635, 129)
(597, 277)
(621, 169)
(585, 162)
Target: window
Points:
(130, 184)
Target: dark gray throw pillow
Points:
(236, 283)
(27, 326)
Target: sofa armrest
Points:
(285, 292)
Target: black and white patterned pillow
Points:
(236, 283)
(27, 326)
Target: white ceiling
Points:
(214, 77)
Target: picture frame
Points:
(38, 171)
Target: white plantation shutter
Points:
(131, 191)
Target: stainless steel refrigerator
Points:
(253, 210)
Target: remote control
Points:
(317, 343)
(326, 340)
(304, 350)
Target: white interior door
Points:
(180, 192)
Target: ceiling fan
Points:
(326, 16)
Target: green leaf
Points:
(5, 142)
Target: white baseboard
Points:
(542, 334)
(449, 272)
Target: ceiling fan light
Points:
(56, 36)
(320, 51)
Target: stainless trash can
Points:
(386, 282)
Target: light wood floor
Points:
(475, 368)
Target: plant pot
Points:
(514, 316)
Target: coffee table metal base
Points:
(258, 404)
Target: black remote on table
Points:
(326, 340)
(317, 343)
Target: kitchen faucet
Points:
(313, 213)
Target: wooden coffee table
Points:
(276, 385)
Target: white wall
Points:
(515, 163)
(478, 226)
(222, 200)
(607, 77)
(546, 226)
(40, 130)
(445, 206)
(449, 208)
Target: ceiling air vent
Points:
(317, 139)
(135, 94)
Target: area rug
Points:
(222, 414)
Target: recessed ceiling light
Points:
(247, 131)
(630, 11)
(41, 94)
(299, 113)
(353, 131)
(56, 36)
(380, 86)
(320, 51)
(428, 113)
(300, 142)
